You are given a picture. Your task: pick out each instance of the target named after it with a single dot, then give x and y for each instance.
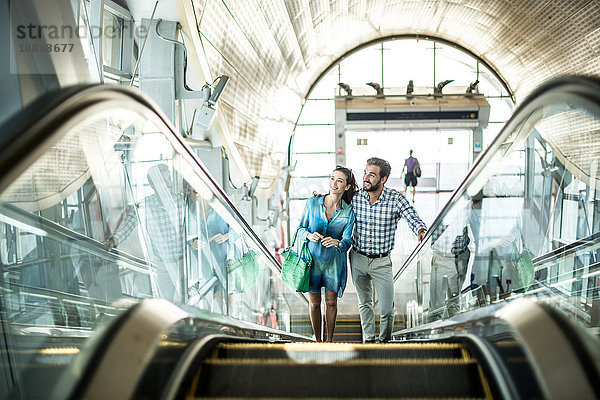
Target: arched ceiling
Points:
(275, 49)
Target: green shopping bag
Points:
(525, 272)
(295, 271)
(242, 273)
(522, 269)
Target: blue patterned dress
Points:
(329, 268)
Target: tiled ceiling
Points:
(275, 49)
(575, 136)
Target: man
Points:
(164, 224)
(410, 179)
(377, 210)
(451, 249)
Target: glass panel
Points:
(110, 214)
(303, 188)
(85, 35)
(112, 39)
(318, 112)
(314, 139)
(451, 175)
(525, 225)
(489, 84)
(328, 86)
(500, 109)
(456, 65)
(490, 133)
(314, 165)
(397, 71)
(364, 66)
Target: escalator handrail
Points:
(80, 241)
(581, 88)
(115, 364)
(44, 122)
(566, 250)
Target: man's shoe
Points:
(370, 341)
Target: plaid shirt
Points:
(167, 240)
(376, 224)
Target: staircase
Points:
(347, 327)
(340, 370)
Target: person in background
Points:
(410, 179)
(452, 246)
(100, 276)
(326, 225)
(378, 210)
(164, 224)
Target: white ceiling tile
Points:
(270, 45)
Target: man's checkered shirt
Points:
(375, 226)
(167, 239)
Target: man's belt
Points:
(372, 255)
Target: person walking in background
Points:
(410, 179)
(326, 225)
(378, 210)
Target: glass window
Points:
(405, 60)
(453, 64)
(444, 156)
(112, 40)
(500, 109)
(314, 139)
(362, 67)
(318, 112)
(308, 165)
(327, 87)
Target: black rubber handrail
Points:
(567, 250)
(75, 239)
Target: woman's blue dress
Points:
(329, 268)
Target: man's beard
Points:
(373, 187)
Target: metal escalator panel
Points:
(340, 370)
(525, 220)
(101, 205)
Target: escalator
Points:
(102, 206)
(86, 317)
(340, 370)
(496, 355)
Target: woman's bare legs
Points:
(330, 313)
(315, 314)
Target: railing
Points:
(88, 226)
(523, 222)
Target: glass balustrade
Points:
(524, 223)
(118, 209)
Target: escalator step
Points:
(338, 351)
(366, 378)
(347, 329)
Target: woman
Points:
(326, 225)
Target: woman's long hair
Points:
(348, 194)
